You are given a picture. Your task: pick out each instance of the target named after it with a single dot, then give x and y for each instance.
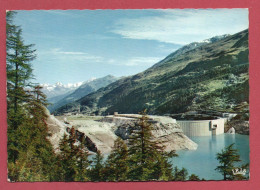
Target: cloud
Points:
(144, 61)
(72, 56)
(56, 54)
(57, 51)
(183, 26)
(59, 12)
(135, 61)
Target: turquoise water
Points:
(203, 162)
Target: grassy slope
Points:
(213, 76)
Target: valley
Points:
(127, 95)
(208, 76)
(211, 76)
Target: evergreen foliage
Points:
(18, 68)
(97, 171)
(83, 162)
(116, 165)
(30, 154)
(147, 157)
(67, 157)
(35, 155)
(227, 159)
(180, 175)
(194, 177)
(73, 158)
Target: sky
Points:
(76, 45)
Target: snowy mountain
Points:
(57, 89)
(76, 91)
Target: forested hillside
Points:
(212, 75)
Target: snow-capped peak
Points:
(72, 85)
(91, 79)
(59, 88)
(215, 38)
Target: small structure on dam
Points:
(200, 124)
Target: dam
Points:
(200, 124)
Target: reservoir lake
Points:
(202, 162)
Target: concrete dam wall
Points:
(202, 127)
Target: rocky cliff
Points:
(241, 127)
(100, 135)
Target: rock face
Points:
(164, 129)
(231, 130)
(57, 130)
(100, 135)
(241, 127)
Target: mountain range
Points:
(57, 89)
(212, 74)
(76, 93)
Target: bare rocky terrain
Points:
(241, 127)
(101, 132)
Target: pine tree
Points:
(30, 154)
(227, 159)
(162, 167)
(19, 72)
(68, 157)
(194, 177)
(116, 167)
(73, 159)
(96, 173)
(82, 162)
(180, 175)
(37, 117)
(147, 157)
(19, 69)
(36, 156)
